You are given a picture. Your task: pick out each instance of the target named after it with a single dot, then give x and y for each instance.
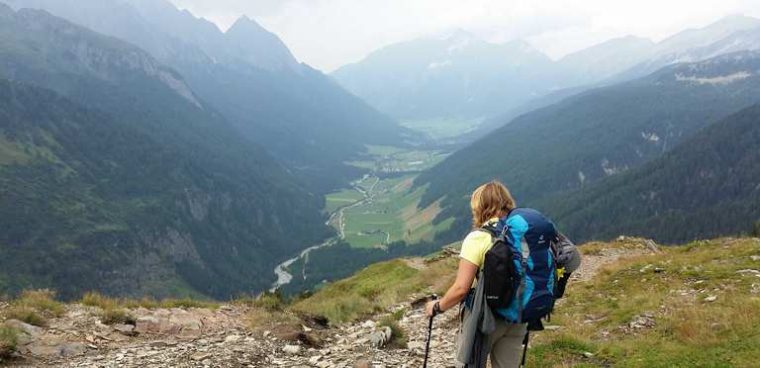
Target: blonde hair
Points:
(490, 200)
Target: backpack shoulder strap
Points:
(491, 230)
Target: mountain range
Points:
(117, 177)
(453, 75)
(143, 151)
(596, 134)
(707, 186)
(297, 113)
(730, 34)
(464, 77)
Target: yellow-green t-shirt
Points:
(476, 245)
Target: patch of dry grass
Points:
(266, 301)
(399, 338)
(375, 289)
(262, 319)
(26, 315)
(704, 310)
(94, 299)
(8, 341)
(42, 301)
(115, 315)
(35, 307)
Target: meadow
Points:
(382, 207)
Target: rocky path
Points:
(219, 338)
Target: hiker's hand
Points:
(430, 308)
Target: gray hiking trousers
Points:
(505, 344)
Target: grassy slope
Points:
(674, 289)
(689, 331)
(374, 289)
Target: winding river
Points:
(281, 271)
(283, 276)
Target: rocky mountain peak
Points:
(90, 53)
(704, 36)
(5, 10)
(246, 24)
(259, 47)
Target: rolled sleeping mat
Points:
(568, 255)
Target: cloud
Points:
(251, 8)
(330, 33)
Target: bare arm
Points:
(458, 291)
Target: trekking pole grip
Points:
(436, 308)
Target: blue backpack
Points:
(520, 269)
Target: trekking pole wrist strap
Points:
(437, 309)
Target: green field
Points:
(442, 129)
(391, 214)
(343, 198)
(386, 159)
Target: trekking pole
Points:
(430, 335)
(526, 340)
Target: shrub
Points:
(35, 307)
(184, 303)
(399, 314)
(114, 316)
(373, 289)
(261, 319)
(188, 303)
(398, 335)
(42, 301)
(269, 301)
(26, 314)
(94, 299)
(8, 341)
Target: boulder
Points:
(126, 330)
(53, 349)
(362, 364)
(177, 322)
(643, 321)
(30, 330)
(232, 338)
(291, 349)
(369, 324)
(381, 337)
(148, 324)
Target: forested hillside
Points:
(596, 134)
(297, 113)
(692, 45)
(131, 185)
(708, 186)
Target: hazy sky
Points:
(329, 33)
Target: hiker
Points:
(495, 324)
